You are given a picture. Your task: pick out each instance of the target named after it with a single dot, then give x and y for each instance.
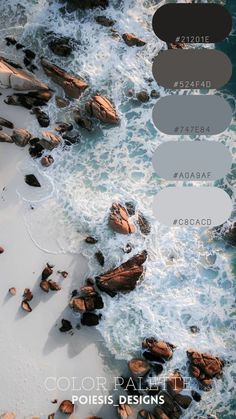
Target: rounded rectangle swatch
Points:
(192, 23)
(192, 160)
(192, 69)
(192, 114)
(192, 206)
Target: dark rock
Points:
(205, 366)
(230, 234)
(119, 220)
(175, 45)
(124, 278)
(61, 102)
(66, 326)
(72, 85)
(159, 414)
(5, 123)
(196, 396)
(170, 407)
(194, 329)
(129, 386)
(105, 21)
(44, 285)
(26, 61)
(157, 368)
(138, 367)
(100, 258)
(36, 149)
(144, 224)
(87, 4)
(83, 122)
(47, 271)
(5, 138)
(50, 140)
(159, 348)
(28, 295)
(10, 40)
(70, 138)
(64, 127)
(133, 41)
(29, 100)
(29, 54)
(86, 300)
(90, 319)
(124, 411)
(46, 161)
(102, 109)
(91, 240)
(61, 46)
(130, 208)
(19, 45)
(154, 94)
(183, 400)
(153, 357)
(1, 250)
(143, 96)
(175, 382)
(42, 117)
(21, 137)
(31, 180)
(127, 248)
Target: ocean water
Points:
(189, 277)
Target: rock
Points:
(196, 396)
(157, 368)
(124, 278)
(29, 54)
(46, 161)
(35, 149)
(119, 220)
(158, 348)
(230, 234)
(47, 271)
(50, 140)
(66, 326)
(62, 46)
(8, 415)
(1, 250)
(183, 400)
(152, 358)
(64, 274)
(159, 414)
(175, 382)
(66, 407)
(139, 367)
(83, 122)
(51, 416)
(194, 329)
(19, 45)
(90, 319)
(170, 407)
(86, 300)
(28, 295)
(204, 366)
(61, 102)
(154, 94)
(12, 291)
(18, 79)
(124, 411)
(175, 45)
(42, 117)
(100, 258)
(5, 123)
(144, 224)
(54, 286)
(10, 40)
(91, 240)
(127, 248)
(73, 86)
(25, 306)
(64, 127)
(102, 109)
(143, 96)
(31, 180)
(21, 137)
(87, 4)
(44, 285)
(5, 138)
(28, 100)
(105, 21)
(144, 414)
(133, 41)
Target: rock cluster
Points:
(205, 366)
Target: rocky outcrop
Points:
(204, 366)
(87, 300)
(133, 41)
(30, 99)
(102, 109)
(87, 4)
(124, 278)
(21, 137)
(50, 140)
(119, 220)
(18, 79)
(73, 86)
(158, 348)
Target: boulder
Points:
(5, 138)
(50, 140)
(143, 96)
(204, 366)
(18, 79)
(100, 258)
(31, 180)
(124, 278)
(53, 285)
(102, 109)
(47, 271)
(158, 348)
(66, 326)
(46, 161)
(105, 21)
(42, 117)
(62, 46)
(12, 291)
(144, 224)
(139, 367)
(25, 306)
(119, 220)
(62, 102)
(170, 407)
(91, 240)
(72, 85)
(175, 382)
(82, 121)
(5, 123)
(124, 411)
(87, 300)
(90, 319)
(21, 137)
(87, 4)
(66, 407)
(30, 99)
(133, 41)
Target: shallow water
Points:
(189, 274)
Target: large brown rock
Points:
(87, 300)
(119, 220)
(21, 137)
(139, 367)
(158, 348)
(18, 79)
(101, 108)
(72, 85)
(66, 407)
(124, 278)
(50, 140)
(205, 366)
(133, 41)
